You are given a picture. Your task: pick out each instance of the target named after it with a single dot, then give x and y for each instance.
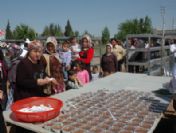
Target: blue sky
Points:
(90, 15)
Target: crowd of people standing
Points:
(49, 68)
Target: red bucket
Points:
(36, 116)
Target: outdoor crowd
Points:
(49, 68)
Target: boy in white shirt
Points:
(75, 47)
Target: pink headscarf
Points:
(36, 44)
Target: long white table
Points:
(117, 81)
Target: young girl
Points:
(53, 66)
(87, 53)
(82, 74)
(73, 82)
(95, 73)
(65, 55)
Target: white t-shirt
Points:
(76, 48)
(95, 76)
(173, 49)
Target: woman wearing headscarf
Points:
(53, 66)
(119, 52)
(2, 84)
(87, 53)
(108, 62)
(30, 75)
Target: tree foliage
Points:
(52, 30)
(77, 33)
(135, 26)
(24, 31)
(87, 33)
(9, 34)
(105, 35)
(68, 29)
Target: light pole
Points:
(162, 10)
(163, 20)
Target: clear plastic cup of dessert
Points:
(126, 131)
(119, 124)
(56, 128)
(109, 121)
(146, 125)
(134, 123)
(68, 129)
(130, 127)
(66, 123)
(140, 130)
(86, 127)
(79, 131)
(96, 129)
(104, 126)
(92, 123)
(48, 125)
(149, 120)
(77, 124)
(62, 117)
(115, 129)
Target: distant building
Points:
(166, 32)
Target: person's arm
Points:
(115, 63)
(90, 55)
(124, 52)
(73, 85)
(68, 61)
(173, 48)
(87, 76)
(78, 82)
(23, 80)
(1, 94)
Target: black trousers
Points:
(2, 123)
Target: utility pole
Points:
(173, 23)
(162, 10)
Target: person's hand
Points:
(43, 81)
(78, 81)
(68, 67)
(54, 81)
(75, 57)
(1, 94)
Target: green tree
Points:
(52, 30)
(77, 33)
(9, 34)
(147, 25)
(87, 33)
(68, 29)
(105, 35)
(46, 31)
(135, 26)
(24, 31)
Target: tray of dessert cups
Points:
(104, 111)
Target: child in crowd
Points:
(73, 82)
(75, 48)
(65, 55)
(82, 74)
(95, 73)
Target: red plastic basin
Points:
(36, 116)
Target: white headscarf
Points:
(52, 40)
(88, 39)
